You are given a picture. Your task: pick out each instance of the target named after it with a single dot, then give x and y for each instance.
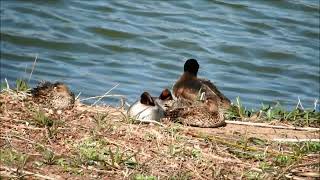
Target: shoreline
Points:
(102, 142)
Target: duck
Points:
(53, 95)
(146, 109)
(195, 113)
(190, 87)
(165, 99)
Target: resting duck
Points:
(195, 113)
(53, 95)
(146, 109)
(189, 86)
(165, 99)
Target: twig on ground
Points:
(95, 97)
(295, 140)
(272, 126)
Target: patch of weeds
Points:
(149, 136)
(69, 166)
(193, 153)
(143, 177)
(248, 155)
(181, 175)
(13, 158)
(252, 175)
(95, 152)
(265, 166)
(91, 151)
(22, 85)
(173, 130)
(284, 160)
(298, 116)
(3, 86)
(173, 149)
(196, 153)
(42, 120)
(305, 147)
(48, 155)
(101, 121)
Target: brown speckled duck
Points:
(53, 95)
(189, 86)
(195, 113)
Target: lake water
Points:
(262, 51)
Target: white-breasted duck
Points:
(146, 108)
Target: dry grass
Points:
(94, 142)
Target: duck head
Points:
(166, 95)
(146, 99)
(191, 66)
(146, 108)
(61, 88)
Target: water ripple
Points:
(262, 51)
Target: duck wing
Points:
(224, 101)
(196, 114)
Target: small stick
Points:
(315, 104)
(105, 94)
(33, 66)
(295, 140)
(95, 97)
(272, 126)
(77, 96)
(8, 87)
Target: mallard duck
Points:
(53, 95)
(146, 108)
(195, 113)
(189, 86)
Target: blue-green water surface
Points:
(263, 51)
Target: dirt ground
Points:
(101, 142)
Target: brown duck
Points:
(53, 95)
(189, 86)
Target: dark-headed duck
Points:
(189, 86)
(146, 108)
(165, 99)
(53, 95)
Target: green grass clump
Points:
(297, 117)
(95, 152)
(143, 177)
(42, 120)
(13, 158)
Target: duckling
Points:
(195, 113)
(53, 95)
(146, 109)
(189, 86)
